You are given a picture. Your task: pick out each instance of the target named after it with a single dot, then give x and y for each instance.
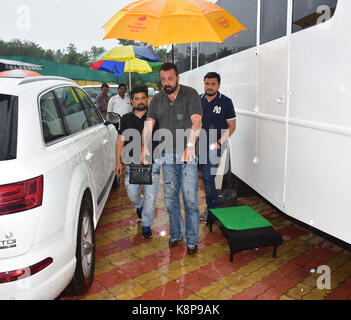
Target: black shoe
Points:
(173, 243)
(147, 233)
(192, 249)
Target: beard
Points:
(170, 89)
(211, 94)
(141, 107)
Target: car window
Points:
(50, 119)
(73, 113)
(93, 113)
(8, 126)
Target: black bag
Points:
(140, 174)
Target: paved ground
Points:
(129, 267)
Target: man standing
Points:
(178, 111)
(120, 102)
(218, 121)
(102, 100)
(132, 125)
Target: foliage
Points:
(68, 55)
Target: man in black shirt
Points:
(128, 151)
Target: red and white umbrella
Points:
(19, 73)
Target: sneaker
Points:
(173, 243)
(192, 249)
(147, 233)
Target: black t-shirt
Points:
(131, 128)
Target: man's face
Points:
(122, 91)
(211, 86)
(169, 80)
(104, 91)
(140, 101)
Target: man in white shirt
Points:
(120, 103)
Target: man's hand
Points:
(118, 169)
(144, 153)
(188, 154)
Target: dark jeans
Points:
(208, 173)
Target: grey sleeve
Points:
(151, 113)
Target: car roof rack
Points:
(34, 79)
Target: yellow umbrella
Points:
(162, 22)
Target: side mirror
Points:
(112, 118)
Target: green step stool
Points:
(244, 229)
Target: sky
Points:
(54, 24)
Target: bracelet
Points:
(189, 144)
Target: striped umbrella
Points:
(139, 59)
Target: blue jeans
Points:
(148, 203)
(181, 176)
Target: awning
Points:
(6, 64)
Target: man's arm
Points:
(227, 133)
(145, 138)
(189, 152)
(119, 148)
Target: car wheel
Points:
(85, 251)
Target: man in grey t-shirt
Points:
(178, 111)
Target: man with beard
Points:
(130, 131)
(178, 111)
(218, 117)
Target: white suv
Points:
(57, 160)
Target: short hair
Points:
(121, 85)
(104, 85)
(139, 89)
(211, 75)
(169, 66)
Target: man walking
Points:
(178, 111)
(130, 131)
(120, 102)
(218, 122)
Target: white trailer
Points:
(292, 97)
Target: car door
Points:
(108, 136)
(86, 137)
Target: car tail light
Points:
(21, 196)
(25, 272)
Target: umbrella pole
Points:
(130, 80)
(191, 56)
(172, 53)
